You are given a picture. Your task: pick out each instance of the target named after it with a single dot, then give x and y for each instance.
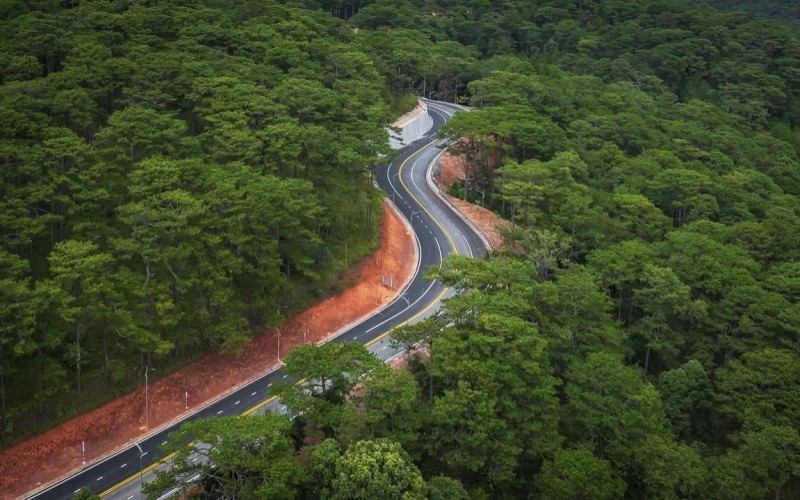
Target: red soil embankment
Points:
(450, 171)
(57, 452)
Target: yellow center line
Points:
(380, 337)
(435, 221)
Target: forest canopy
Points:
(639, 337)
(175, 177)
(781, 10)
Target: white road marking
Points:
(79, 489)
(254, 392)
(162, 444)
(123, 465)
(355, 337)
(401, 312)
(194, 478)
(414, 165)
(384, 348)
(236, 403)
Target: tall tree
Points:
(577, 474)
(377, 469)
(245, 456)
(17, 318)
(328, 373)
(687, 395)
(85, 275)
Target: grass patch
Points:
(403, 103)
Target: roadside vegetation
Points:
(174, 177)
(638, 338)
(173, 172)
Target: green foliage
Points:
(250, 456)
(172, 175)
(577, 474)
(85, 494)
(403, 104)
(385, 406)
(781, 10)
(328, 373)
(322, 470)
(377, 469)
(446, 488)
(610, 406)
(686, 392)
(331, 368)
(760, 389)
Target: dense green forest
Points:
(166, 162)
(782, 10)
(174, 176)
(640, 335)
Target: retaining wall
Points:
(412, 125)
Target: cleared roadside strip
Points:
(422, 313)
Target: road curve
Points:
(439, 231)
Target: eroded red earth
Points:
(44, 459)
(451, 170)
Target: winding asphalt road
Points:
(439, 232)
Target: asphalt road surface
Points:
(439, 232)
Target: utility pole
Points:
(141, 473)
(146, 398)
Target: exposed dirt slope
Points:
(451, 170)
(55, 453)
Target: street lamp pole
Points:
(141, 473)
(146, 399)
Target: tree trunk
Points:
(78, 357)
(106, 374)
(630, 312)
(3, 411)
(430, 373)
(39, 381)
